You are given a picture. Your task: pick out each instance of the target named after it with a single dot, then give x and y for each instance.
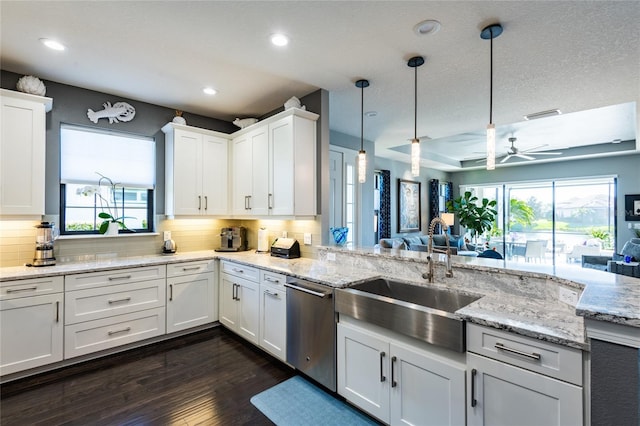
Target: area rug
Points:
(297, 402)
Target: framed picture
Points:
(632, 207)
(409, 209)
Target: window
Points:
(86, 154)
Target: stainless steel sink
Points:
(422, 312)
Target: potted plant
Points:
(111, 223)
(477, 218)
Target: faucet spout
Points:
(449, 273)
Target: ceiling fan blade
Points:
(545, 153)
(525, 157)
(534, 148)
(505, 159)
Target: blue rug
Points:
(296, 402)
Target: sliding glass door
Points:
(552, 222)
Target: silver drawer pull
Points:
(18, 290)
(270, 293)
(273, 280)
(532, 355)
(126, 299)
(124, 330)
(237, 270)
(192, 268)
(123, 277)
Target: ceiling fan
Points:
(526, 154)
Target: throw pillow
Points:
(412, 240)
(462, 246)
(631, 249)
(398, 244)
(439, 240)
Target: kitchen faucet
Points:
(430, 250)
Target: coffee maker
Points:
(233, 239)
(46, 233)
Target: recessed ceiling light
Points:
(52, 44)
(616, 141)
(279, 40)
(429, 26)
(542, 114)
(209, 91)
(370, 114)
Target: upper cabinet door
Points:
(215, 167)
(22, 153)
(242, 175)
(282, 163)
(259, 203)
(187, 169)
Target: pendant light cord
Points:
(415, 103)
(362, 118)
(491, 80)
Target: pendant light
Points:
(362, 155)
(414, 63)
(489, 33)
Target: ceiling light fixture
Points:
(362, 155)
(279, 40)
(542, 114)
(414, 63)
(52, 44)
(429, 26)
(209, 91)
(489, 33)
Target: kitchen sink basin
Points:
(424, 313)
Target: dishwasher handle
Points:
(297, 285)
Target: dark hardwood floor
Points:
(206, 378)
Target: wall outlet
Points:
(568, 296)
(284, 234)
(331, 257)
(307, 238)
(166, 235)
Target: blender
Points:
(46, 233)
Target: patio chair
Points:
(535, 250)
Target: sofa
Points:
(421, 243)
(615, 263)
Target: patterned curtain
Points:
(384, 230)
(434, 195)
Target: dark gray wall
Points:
(366, 189)
(626, 167)
(70, 106)
(400, 170)
(615, 378)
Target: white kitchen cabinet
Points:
(31, 323)
(107, 309)
(192, 296)
(274, 166)
(22, 152)
(240, 300)
(512, 379)
(273, 314)
(196, 171)
(397, 380)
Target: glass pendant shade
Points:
(415, 157)
(491, 146)
(362, 167)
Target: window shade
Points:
(126, 159)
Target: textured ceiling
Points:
(574, 56)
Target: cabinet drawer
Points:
(553, 360)
(102, 302)
(31, 287)
(272, 278)
(190, 268)
(92, 336)
(120, 276)
(242, 271)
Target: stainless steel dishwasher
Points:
(311, 330)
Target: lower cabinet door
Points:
(107, 333)
(425, 391)
(363, 371)
(191, 301)
(248, 299)
(31, 332)
(508, 395)
(273, 320)
(228, 309)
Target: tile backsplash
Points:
(17, 239)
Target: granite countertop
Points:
(606, 297)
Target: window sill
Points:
(100, 236)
